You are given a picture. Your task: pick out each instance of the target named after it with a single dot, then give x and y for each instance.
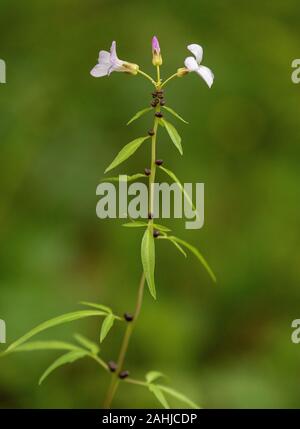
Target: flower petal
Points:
(197, 51)
(191, 64)
(206, 74)
(100, 70)
(104, 57)
(155, 45)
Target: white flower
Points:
(109, 62)
(193, 64)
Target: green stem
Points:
(128, 332)
(147, 76)
(136, 382)
(114, 384)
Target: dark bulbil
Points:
(151, 133)
(159, 115)
(147, 171)
(128, 317)
(159, 162)
(156, 233)
(155, 102)
(112, 366)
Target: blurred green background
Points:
(226, 345)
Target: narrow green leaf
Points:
(95, 305)
(175, 114)
(166, 237)
(45, 345)
(128, 178)
(198, 255)
(88, 344)
(139, 114)
(174, 136)
(153, 375)
(159, 396)
(178, 396)
(148, 260)
(139, 224)
(62, 360)
(65, 318)
(126, 152)
(106, 326)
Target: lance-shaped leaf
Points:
(96, 305)
(45, 345)
(139, 224)
(148, 260)
(107, 324)
(198, 255)
(174, 136)
(139, 114)
(65, 318)
(175, 114)
(126, 152)
(178, 247)
(88, 344)
(124, 177)
(178, 396)
(62, 360)
(153, 376)
(159, 395)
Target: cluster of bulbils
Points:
(109, 62)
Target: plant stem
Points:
(114, 384)
(128, 332)
(147, 76)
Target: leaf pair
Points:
(74, 352)
(143, 111)
(108, 321)
(65, 318)
(178, 242)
